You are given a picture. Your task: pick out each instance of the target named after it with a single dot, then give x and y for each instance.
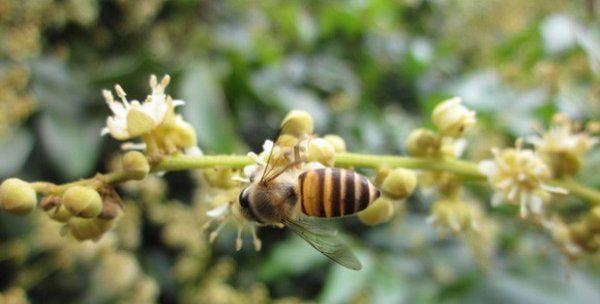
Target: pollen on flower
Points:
(134, 118)
(519, 177)
(154, 120)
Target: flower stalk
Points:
(465, 169)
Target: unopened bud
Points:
(422, 142)
(297, 123)
(380, 211)
(337, 141)
(17, 197)
(381, 174)
(451, 118)
(112, 205)
(184, 135)
(60, 214)
(286, 140)
(219, 177)
(82, 201)
(88, 229)
(138, 123)
(593, 219)
(399, 183)
(136, 165)
(322, 151)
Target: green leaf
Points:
(71, 145)
(290, 257)
(207, 111)
(388, 287)
(342, 284)
(58, 88)
(14, 150)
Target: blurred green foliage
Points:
(369, 71)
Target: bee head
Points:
(245, 204)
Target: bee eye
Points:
(244, 199)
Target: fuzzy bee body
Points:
(332, 192)
(283, 195)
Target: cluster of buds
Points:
(578, 237)
(451, 120)
(154, 121)
(87, 213)
(87, 210)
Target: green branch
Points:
(465, 169)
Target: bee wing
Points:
(325, 241)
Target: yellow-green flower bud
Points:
(219, 177)
(380, 211)
(320, 150)
(17, 197)
(422, 142)
(136, 165)
(381, 174)
(593, 219)
(59, 214)
(286, 140)
(88, 229)
(184, 134)
(297, 123)
(82, 201)
(337, 141)
(451, 118)
(399, 183)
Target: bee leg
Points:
(238, 240)
(257, 242)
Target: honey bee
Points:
(285, 195)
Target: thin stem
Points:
(465, 169)
(187, 162)
(579, 190)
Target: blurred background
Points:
(370, 71)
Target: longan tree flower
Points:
(455, 214)
(227, 211)
(134, 118)
(452, 118)
(519, 177)
(563, 147)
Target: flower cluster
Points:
(153, 120)
(577, 237)
(520, 177)
(563, 146)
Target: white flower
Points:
(455, 214)
(561, 138)
(228, 212)
(519, 177)
(133, 118)
(452, 118)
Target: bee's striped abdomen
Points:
(332, 192)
